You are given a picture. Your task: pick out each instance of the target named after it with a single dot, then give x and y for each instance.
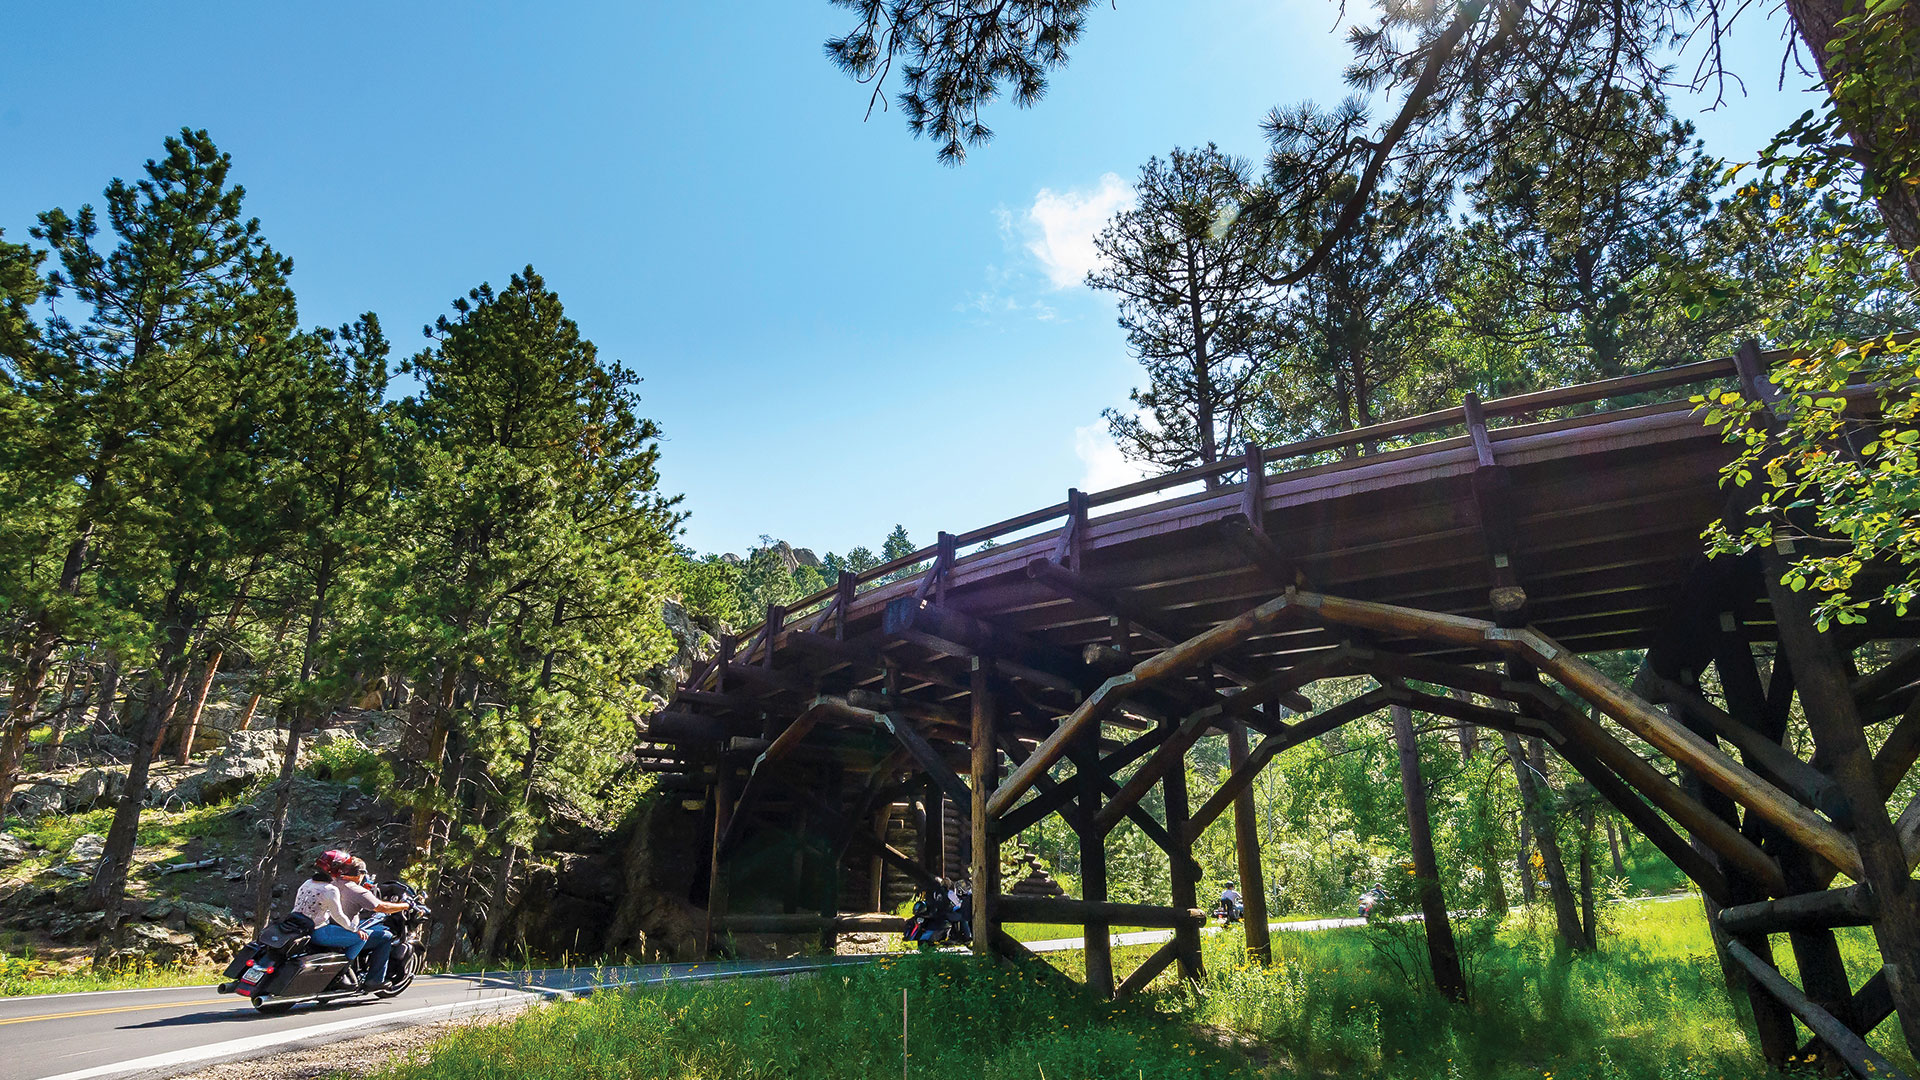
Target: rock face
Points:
(11, 849)
(248, 756)
(693, 646)
(616, 894)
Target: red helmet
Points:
(333, 862)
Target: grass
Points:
(1652, 1003)
(1353, 1003)
(963, 1019)
(22, 974)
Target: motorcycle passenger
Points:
(334, 899)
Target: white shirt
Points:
(320, 901)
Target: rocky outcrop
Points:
(693, 646)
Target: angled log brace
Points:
(1307, 727)
(1166, 664)
(1714, 766)
(1030, 812)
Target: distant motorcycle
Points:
(928, 926)
(283, 968)
(1228, 912)
(1370, 900)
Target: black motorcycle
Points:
(284, 968)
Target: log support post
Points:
(1183, 873)
(985, 777)
(1096, 932)
(1246, 834)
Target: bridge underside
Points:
(1464, 577)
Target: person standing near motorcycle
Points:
(334, 899)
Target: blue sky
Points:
(836, 332)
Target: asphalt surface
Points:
(158, 1033)
(1155, 937)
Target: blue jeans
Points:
(335, 936)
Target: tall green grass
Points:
(963, 1019)
(1652, 1004)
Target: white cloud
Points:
(1060, 227)
(1102, 465)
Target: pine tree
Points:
(1188, 277)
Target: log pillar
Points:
(1246, 844)
(984, 777)
(1096, 932)
(1183, 873)
(723, 792)
(933, 837)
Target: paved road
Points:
(156, 1033)
(1155, 937)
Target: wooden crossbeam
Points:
(1149, 968)
(1903, 669)
(1714, 766)
(1074, 585)
(1194, 652)
(1864, 1060)
(1851, 906)
(1273, 745)
(1898, 753)
(928, 759)
(1029, 813)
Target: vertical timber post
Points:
(934, 841)
(1096, 933)
(985, 776)
(1182, 872)
(723, 789)
(1246, 843)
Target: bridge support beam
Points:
(984, 776)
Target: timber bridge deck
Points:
(1465, 560)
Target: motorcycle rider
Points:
(1229, 904)
(334, 899)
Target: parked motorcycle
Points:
(283, 968)
(927, 926)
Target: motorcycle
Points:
(283, 968)
(1227, 912)
(927, 926)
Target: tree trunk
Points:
(191, 729)
(69, 705)
(1588, 930)
(1524, 860)
(1442, 954)
(1566, 915)
(1613, 849)
(267, 869)
(1877, 128)
(108, 889)
(109, 687)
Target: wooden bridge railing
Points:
(1427, 423)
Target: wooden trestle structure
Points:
(1467, 575)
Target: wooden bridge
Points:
(1465, 560)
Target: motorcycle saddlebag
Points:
(289, 934)
(240, 959)
(309, 974)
